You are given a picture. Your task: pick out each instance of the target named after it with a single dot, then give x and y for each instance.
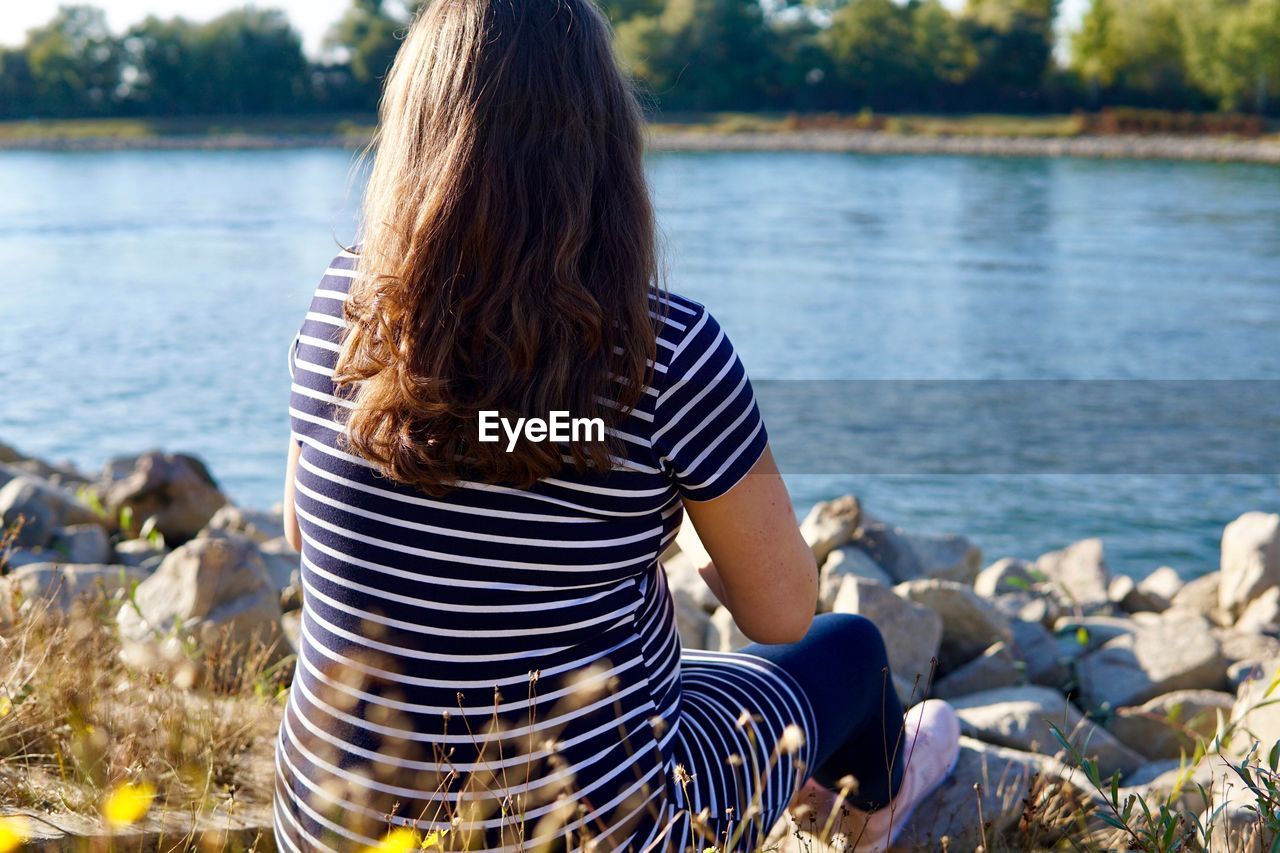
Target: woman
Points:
(488, 649)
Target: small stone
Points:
(912, 633)
(915, 556)
(1167, 726)
(1081, 635)
(1079, 571)
(1039, 651)
(684, 581)
(63, 585)
(1262, 615)
(842, 563)
(83, 543)
(724, 634)
(997, 667)
(1250, 560)
(1179, 653)
(1006, 575)
(283, 563)
(970, 623)
(1240, 645)
(1031, 606)
(139, 552)
(831, 524)
(1021, 718)
(1201, 596)
(42, 508)
(693, 624)
(1161, 586)
(257, 525)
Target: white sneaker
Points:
(932, 732)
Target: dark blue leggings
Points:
(842, 667)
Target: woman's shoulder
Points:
(687, 330)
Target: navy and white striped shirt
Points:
(502, 665)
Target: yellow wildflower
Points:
(434, 840)
(13, 831)
(400, 840)
(128, 803)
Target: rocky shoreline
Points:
(1111, 147)
(1159, 680)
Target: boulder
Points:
(724, 634)
(997, 667)
(63, 585)
(1250, 560)
(831, 524)
(139, 552)
(970, 623)
(843, 563)
(693, 624)
(1129, 596)
(1032, 606)
(83, 543)
(1020, 718)
(255, 524)
(215, 590)
(1240, 646)
(1168, 726)
(1255, 716)
(912, 633)
(1262, 615)
(913, 556)
(1006, 575)
(1201, 596)
(1159, 588)
(43, 508)
(283, 563)
(1178, 653)
(990, 781)
(684, 582)
(1077, 636)
(174, 489)
(1040, 653)
(1078, 571)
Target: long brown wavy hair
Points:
(508, 246)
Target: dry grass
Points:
(77, 726)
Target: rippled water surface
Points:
(148, 298)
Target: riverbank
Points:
(150, 628)
(986, 136)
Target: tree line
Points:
(689, 55)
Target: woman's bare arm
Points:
(765, 571)
(291, 530)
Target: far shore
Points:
(986, 136)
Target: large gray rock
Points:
(257, 525)
(913, 556)
(970, 623)
(42, 509)
(831, 524)
(1020, 718)
(912, 633)
(83, 543)
(1168, 726)
(1006, 575)
(284, 564)
(63, 585)
(997, 667)
(1039, 651)
(215, 590)
(1256, 714)
(842, 563)
(1180, 652)
(693, 624)
(990, 781)
(724, 634)
(1250, 560)
(1078, 571)
(174, 489)
(1262, 615)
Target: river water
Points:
(147, 299)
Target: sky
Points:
(312, 17)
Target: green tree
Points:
(165, 60)
(1135, 50)
(871, 47)
(943, 54)
(17, 86)
(1231, 50)
(75, 63)
(1013, 41)
(703, 54)
(248, 61)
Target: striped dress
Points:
(499, 668)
